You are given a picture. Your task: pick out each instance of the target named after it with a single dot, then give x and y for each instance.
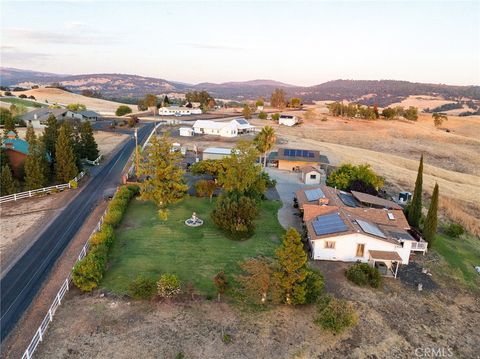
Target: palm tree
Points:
(264, 141)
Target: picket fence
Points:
(39, 334)
(45, 190)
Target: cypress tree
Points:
(7, 184)
(415, 207)
(36, 166)
(30, 136)
(9, 125)
(50, 134)
(88, 144)
(430, 225)
(65, 166)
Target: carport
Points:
(390, 259)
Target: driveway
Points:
(287, 184)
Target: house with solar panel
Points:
(232, 128)
(342, 228)
(293, 159)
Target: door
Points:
(360, 249)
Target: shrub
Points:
(363, 274)
(105, 236)
(73, 184)
(262, 115)
(123, 110)
(276, 117)
(335, 315)
(227, 338)
(113, 216)
(201, 188)
(141, 288)
(314, 286)
(87, 273)
(22, 96)
(168, 286)
(454, 230)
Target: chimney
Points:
(323, 201)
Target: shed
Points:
(216, 153)
(312, 175)
(186, 131)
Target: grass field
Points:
(460, 255)
(22, 102)
(147, 246)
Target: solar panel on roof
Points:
(314, 194)
(401, 235)
(242, 122)
(298, 153)
(370, 228)
(347, 200)
(328, 224)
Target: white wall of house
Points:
(312, 177)
(186, 131)
(174, 110)
(226, 131)
(346, 248)
(36, 124)
(288, 121)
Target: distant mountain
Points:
(131, 87)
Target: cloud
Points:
(12, 54)
(72, 37)
(197, 45)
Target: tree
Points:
(265, 141)
(89, 147)
(122, 110)
(65, 164)
(258, 281)
(276, 117)
(235, 215)
(163, 182)
(277, 99)
(30, 136)
(7, 184)
(292, 271)
(260, 102)
(241, 172)
(210, 167)
(166, 101)
(247, 112)
(415, 207)
(295, 102)
(430, 225)
(76, 107)
(347, 177)
(50, 135)
(389, 113)
(36, 165)
(168, 286)
(411, 113)
(9, 125)
(262, 115)
(4, 114)
(438, 119)
(221, 283)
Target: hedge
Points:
(88, 272)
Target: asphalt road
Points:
(19, 286)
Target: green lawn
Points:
(22, 102)
(461, 255)
(146, 245)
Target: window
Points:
(360, 249)
(313, 176)
(329, 245)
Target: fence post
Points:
(66, 280)
(14, 197)
(50, 314)
(40, 333)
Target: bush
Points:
(87, 273)
(123, 110)
(363, 274)
(105, 236)
(114, 216)
(22, 96)
(276, 117)
(168, 286)
(314, 286)
(201, 188)
(454, 230)
(141, 288)
(335, 315)
(262, 115)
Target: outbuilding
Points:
(288, 120)
(186, 131)
(216, 153)
(312, 175)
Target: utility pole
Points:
(136, 153)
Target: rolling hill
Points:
(123, 87)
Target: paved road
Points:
(19, 286)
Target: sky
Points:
(301, 43)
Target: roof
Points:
(212, 124)
(242, 124)
(374, 200)
(384, 255)
(329, 193)
(218, 150)
(44, 113)
(89, 113)
(298, 155)
(311, 211)
(16, 144)
(308, 169)
(287, 116)
(380, 216)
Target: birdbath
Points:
(194, 221)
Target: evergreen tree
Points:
(36, 165)
(30, 136)
(89, 148)
(430, 225)
(163, 182)
(415, 207)
(65, 164)
(7, 184)
(50, 134)
(9, 125)
(292, 272)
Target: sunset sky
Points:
(303, 43)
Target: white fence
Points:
(35, 192)
(93, 163)
(39, 334)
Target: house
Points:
(216, 153)
(293, 159)
(16, 151)
(341, 228)
(87, 115)
(224, 129)
(373, 201)
(38, 117)
(178, 111)
(288, 120)
(186, 131)
(312, 175)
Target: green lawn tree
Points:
(65, 164)
(89, 147)
(431, 221)
(30, 135)
(36, 165)
(292, 271)
(247, 112)
(438, 119)
(76, 107)
(123, 110)
(163, 184)
(415, 207)
(264, 142)
(258, 282)
(8, 185)
(50, 135)
(347, 176)
(9, 125)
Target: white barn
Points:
(288, 120)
